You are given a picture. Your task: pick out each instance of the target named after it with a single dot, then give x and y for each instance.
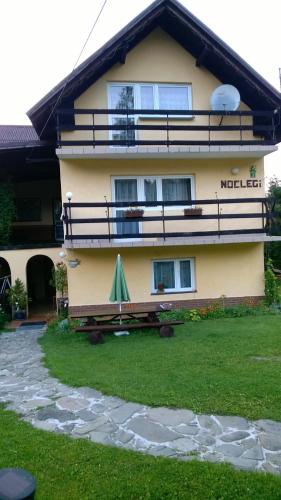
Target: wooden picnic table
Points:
(109, 313)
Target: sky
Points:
(40, 41)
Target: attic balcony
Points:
(129, 133)
(164, 223)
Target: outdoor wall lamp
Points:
(69, 195)
(235, 171)
(62, 255)
(73, 263)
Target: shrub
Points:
(271, 285)
(3, 318)
(17, 295)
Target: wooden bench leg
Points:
(166, 331)
(152, 318)
(95, 337)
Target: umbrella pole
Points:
(120, 310)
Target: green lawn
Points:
(207, 367)
(77, 469)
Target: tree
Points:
(273, 249)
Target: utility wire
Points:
(70, 74)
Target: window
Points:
(154, 188)
(173, 275)
(149, 96)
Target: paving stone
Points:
(230, 450)
(234, 436)
(274, 458)
(207, 422)
(162, 452)
(44, 426)
(249, 443)
(270, 442)
(111, 403)
(190, 430)
(268, 426)
(89, 393)
(205, 438)
(123, 437)
(255, 453)
(86, 415)
(170, 417)
(56, 414)
(151, 431)
(121, 414)
(101, 437)
(108, 427)
(72, 404)
(213, 457)
(37, 403)
(237, 423)
(243, 463)
(183, 444)
(268, 467)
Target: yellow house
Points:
(161, 137)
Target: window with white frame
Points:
(173, 275)
(155, 188)
(146, 96)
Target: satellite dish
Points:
(225, 98)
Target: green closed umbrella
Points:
(119, 292)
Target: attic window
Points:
(150, 96)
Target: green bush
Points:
(3, 318)
(272, 287)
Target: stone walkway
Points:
(86, 413)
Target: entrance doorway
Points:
(40, 292)
(5, 284)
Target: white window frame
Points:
(137, 100)
(141, 191)
(176, 262)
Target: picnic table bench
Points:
(95, 332)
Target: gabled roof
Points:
(208, 49)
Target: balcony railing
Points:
(213, 217)
(137, 127)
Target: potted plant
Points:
(193, 211)
(134, 212)
(17, 297)
(160, 288)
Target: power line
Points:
(70, 74)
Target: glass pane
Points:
(150, 190)
(146, 95)
(126, 190)
(164, 273)
(173, 97)
(123, 135)
(122, 97)
(176, 189)
(185, 274)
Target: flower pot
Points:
(133, 214)
(193, 211)
(19, 315)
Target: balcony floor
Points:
(76, 152)
(188, 241)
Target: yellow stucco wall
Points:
(91, 180)
(157, 59)
(231, 270)
(18, 259)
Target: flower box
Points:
(134, 214)
(192, 211)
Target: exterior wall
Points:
(230, 270)
(18, 259)
(91, 181)
(158, 59)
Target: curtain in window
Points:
(164, 272)
(185, 274)
(146, 97)
(126, 190)
(173, 97)
(176, 189)
(150, 190)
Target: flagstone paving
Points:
(25, 384)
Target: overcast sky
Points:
(40, 41)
